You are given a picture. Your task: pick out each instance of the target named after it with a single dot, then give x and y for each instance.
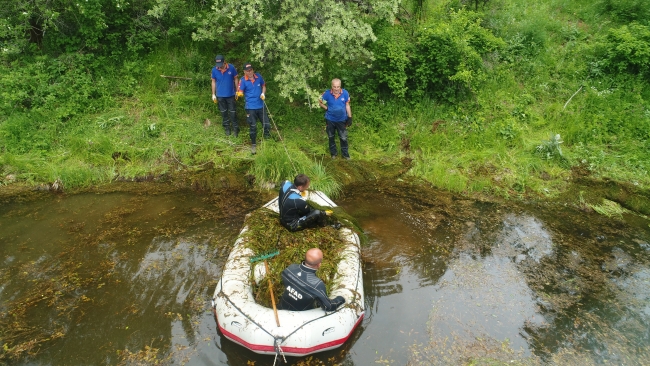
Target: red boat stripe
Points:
(295, 350)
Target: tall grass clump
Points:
(323, 180)
(272, 164)
(440, 172)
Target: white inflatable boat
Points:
(300, 333)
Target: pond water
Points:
(126, 278)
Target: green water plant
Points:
(266, 235)
(609, 208)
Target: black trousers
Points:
(337, 127)
(227, 109)
(312, 219)
(254, 115)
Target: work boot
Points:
(236, 132)
(322, 219)
(333, 156)
(227, 131)
(253, 149)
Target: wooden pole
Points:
(275, 309)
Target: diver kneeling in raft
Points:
(295, 213)
(303, 290)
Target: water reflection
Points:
(501, 283)
(484, 298)
(128, 277)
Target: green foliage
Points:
(441, 57)
(295, 36)
(459, 107)
(272, 164)
(24, 133)
(550, 148)
(100, 27)
(627, 10)
(609, 208)
(266, 235)
(449, 54)
(393, 51)
(626, 49)
(63, 86)
(508, 130)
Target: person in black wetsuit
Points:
(303, 290)
(295, 213)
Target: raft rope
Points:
(277, 341)
(278, 350)
(280, 136)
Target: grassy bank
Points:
(547, 108)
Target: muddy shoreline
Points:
(582, 191)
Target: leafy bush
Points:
(392, 51)
(113, 28)
(626, 49)
(449, 54)
(627, 10)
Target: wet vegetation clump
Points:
(266, 235)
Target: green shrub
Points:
(627, 10)
(392, 51)
(627, 49)
(449, 54)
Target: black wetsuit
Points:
(295, 213)
(303, 290)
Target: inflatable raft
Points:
(300, 333)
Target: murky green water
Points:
(127, 278)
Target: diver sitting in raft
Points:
(295, 213)
(303, 290)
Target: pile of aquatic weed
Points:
(266, 235)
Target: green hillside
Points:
(506, 98)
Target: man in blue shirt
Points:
(252, 87)
(224, 82)
(338, 116)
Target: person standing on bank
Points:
(338, 116)
(253, 88)
(224, 84)
(303, 290)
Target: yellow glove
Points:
(262, 96)
(303, 193)
(214, 98)
(238, 94)
(329, 212)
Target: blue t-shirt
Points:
(336, 111)
(225, 81)
(252, 89)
